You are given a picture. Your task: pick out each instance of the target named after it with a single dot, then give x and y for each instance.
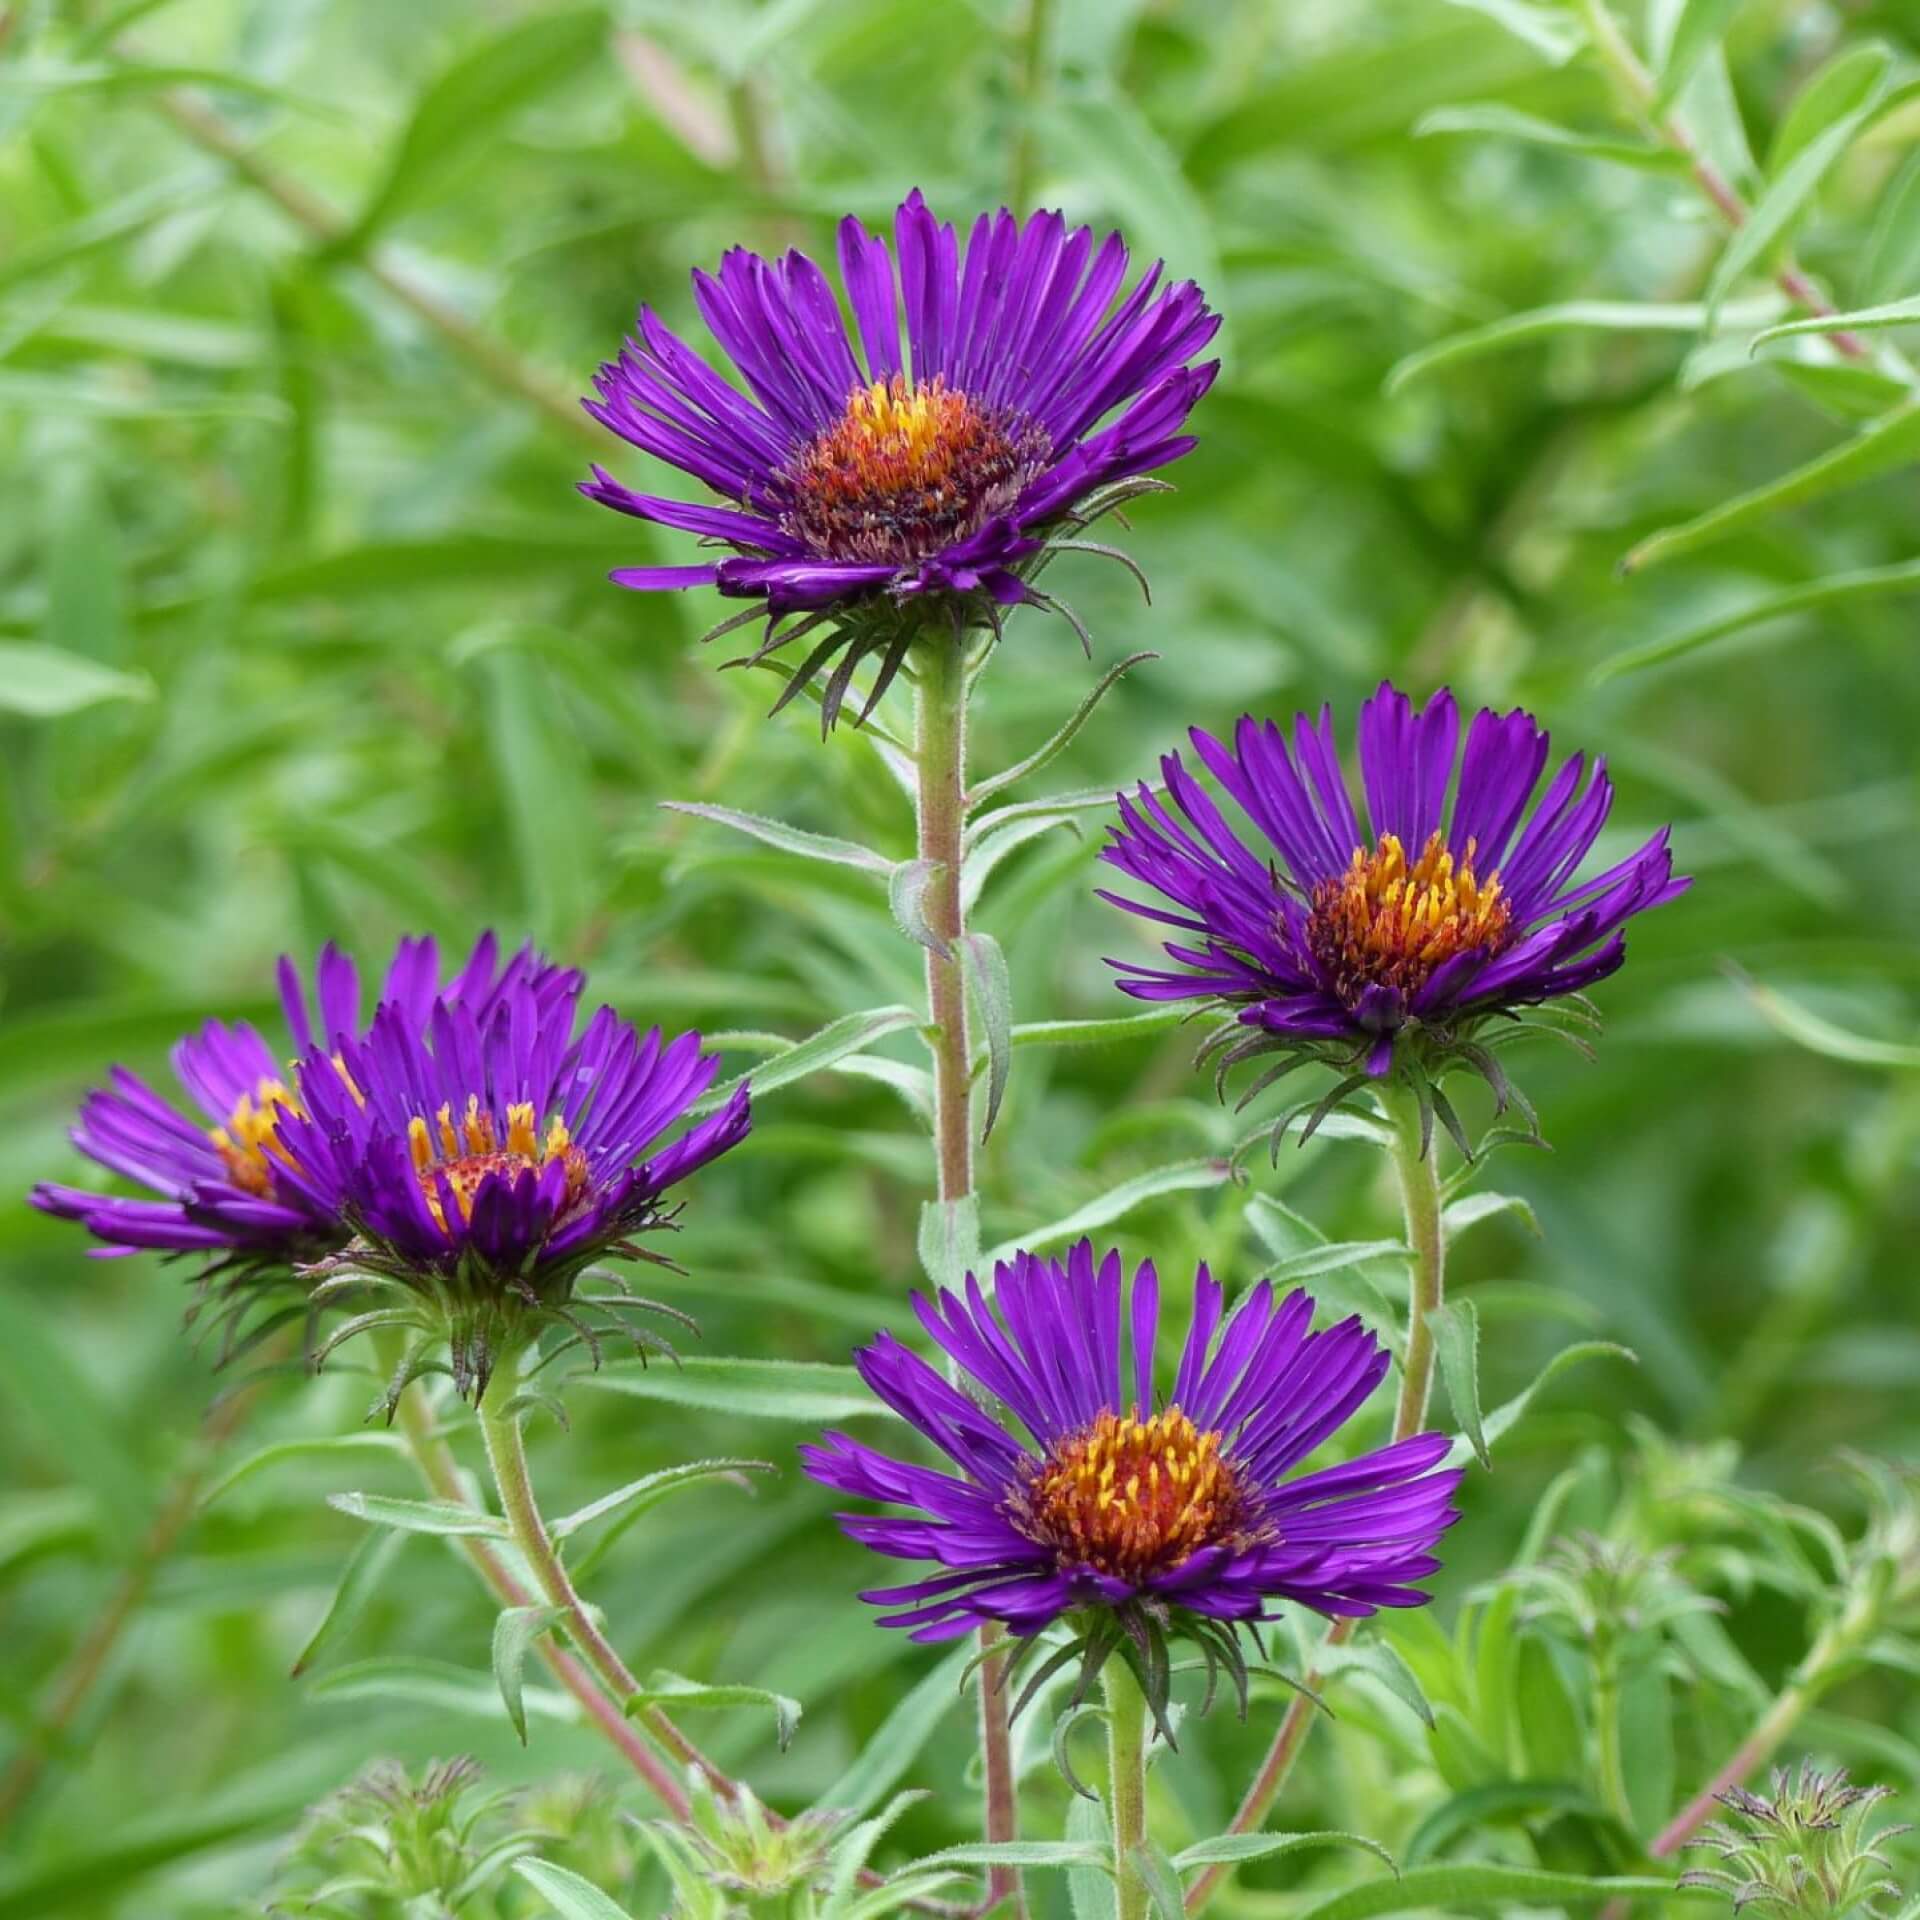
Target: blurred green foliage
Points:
(304, 633)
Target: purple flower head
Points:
(874, 482)
(1453, 905)
(482, 1157)
(218, 1177)
(1129, 1510)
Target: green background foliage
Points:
(304, 634)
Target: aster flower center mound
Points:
(1387, 924)
(1132, 1498)
(250, 1141)
(908, 469)
(454, 1160)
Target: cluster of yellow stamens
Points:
(465, 1150)
(1385, 923)
(250, 1141)
(1132, 1497)
(908, 468)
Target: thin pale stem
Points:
(507, 1457)
(441, 1472)
(1036, 53)
(940, 754)
(1606, 1733)
(1419, 1180)
(1636, 86)
(1127, 1786)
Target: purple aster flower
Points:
(220, 1177)
(483, 1157)
(1130, 1514)
(874, 485)
(1335, 942)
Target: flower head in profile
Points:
(1131, 1514)
(482, 1158)
(217, 1174)
(1392, 943)
(876, 479)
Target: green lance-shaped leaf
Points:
(1887, 443)
(1509, 123)
(1456, 1343)
(571, 1897)
(682, 1694)
(1503, 1419)
(1439, 1888)
(1848, 81)
(850, 1034)
(1377, 1658)
(1182, 1176)
(907, 884)
(1231, 1849)
(627, 1503)
(1161, 1881)
(514, 1632)
(369, 1563)
(1500, 1803)
(461, 112)
(1098, 1033)
(804, 1392)
(992, 985)
(1893, 313)
(1336, 1256)
(1045, 756)
(1016, 1853)
(1539, 24)
(1461, 1215)
(46, 682)
(446, 1517)
(316, 1449)
(949, 1240)
(438, 1685)
(794, 840)
(1570, 316)
(1698, 28)
(1818, 1035)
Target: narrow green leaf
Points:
(628, 1502)
(949, 1240)
(1818, 1035)
(514, 1632)
(440, 1686)
(992, 984)
(461, 113)
(1698, 28)
(1895, 313)
(1503, 1419)
(1098, 1033)
(1016, 1853)
(369, 1563)
(1456, 1342)
(1550, 1728)
(1502, 1803)
(1090, 1888)
(1054, 808)
(907, 885)
(1836, 89)
(446, 1517)
(1045, 756)
(1381, 1661)
(1230, 1849)
(1424, 1889)
(803, 1391)
(1539, 24)
(898, 1740)
(1893, 251)
(315, 1449)
(1889, 442)
(1509, 123)
(1470, 1211)
(1569, 316)
(675, 1690)
(850, 1034)
(1160, 1880)
(1335, 1257)
(46, 682)
(1182, 1176)
(571, 1897)
(795, 840)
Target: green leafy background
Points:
(305, 634)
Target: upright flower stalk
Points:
(1127, 1788)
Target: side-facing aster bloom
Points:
(876, 485)
(483, 1158)
(220, 1180)
(1131, 1515)
(1452, 906)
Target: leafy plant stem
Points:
(1606, 1730)
(1036, 43)
(507, 1457)
(440, 1471)
(940, 754)
(1127, 1785)
(1636, 85)
(1419, 1180)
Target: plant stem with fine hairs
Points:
(1419, 1180)
(940, 754)
(1127, 1786)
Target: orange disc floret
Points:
(466, 1150)
(251, 1135)
(1385, 923)
(1132, 1498)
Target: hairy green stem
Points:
(1127, 1786)
(1419, 1180)
(507, 1457)
(940, 755)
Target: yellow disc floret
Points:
(250, 1142)
(1388, 923)
(465, 1149)
(1132, 1498)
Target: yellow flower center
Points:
(1132, 1498)
(250, 1141)
(1385, 923)
(466, 1150)
(908, 468)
